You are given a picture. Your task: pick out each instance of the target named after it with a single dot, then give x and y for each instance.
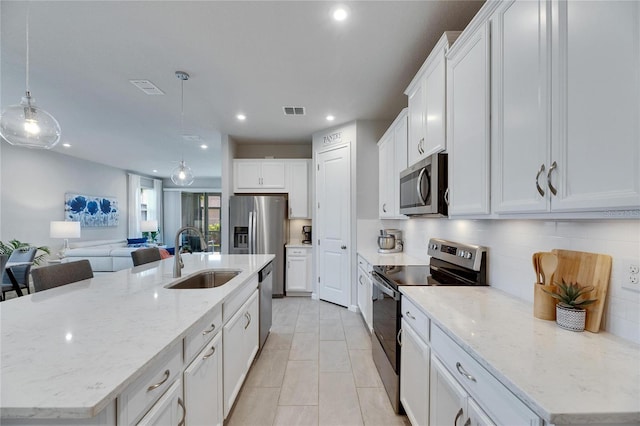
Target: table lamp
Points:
(149, 229)
(66, 230)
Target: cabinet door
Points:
(476, 416)
(298, 186)
(401, 138)
(520, 139)
(468, 125)
(297, 277)
(414, 376)
(362, 293)
(447, 399)
(386, 189)
(252, 331)
(169, 410)
(273, 175)
(416, 124)
(435, 102)
(203, 386)
(596, 100)
(247, 174)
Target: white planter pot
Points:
(570, 319)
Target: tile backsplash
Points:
(512, 242)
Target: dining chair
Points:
(21, 272)
(147, 255)
(60, 274)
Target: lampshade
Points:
(64, 229)
(182, 175)
(29, 126)
(149, 226)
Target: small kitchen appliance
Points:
(423, 187)
(306, 234)
(390, 241)
(451, 264)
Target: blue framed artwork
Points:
(91, 211)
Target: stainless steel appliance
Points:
(390, 241)
(423, 187)
(265, 286)
(306, 234)
(258, 225)
(451, 264)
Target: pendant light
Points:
(182, 175)
(25, 124)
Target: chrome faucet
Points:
(178, 264)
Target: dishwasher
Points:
(265, 286)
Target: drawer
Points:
(231, 305)
(297, 251)
(499, 403)
(138, 397)
(415, 318)
(362, 263)
(202, 333)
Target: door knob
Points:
(343, 247)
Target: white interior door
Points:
(333, 194)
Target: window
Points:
(202, 210)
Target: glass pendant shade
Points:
(28, 126)
(182, 175)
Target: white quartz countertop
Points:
(563, 376)
(372, 256)
(69, 351)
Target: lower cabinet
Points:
(240, 335)
(169, 410)
(203, 386)
(299, 269)
(414, 376)
(365, 303)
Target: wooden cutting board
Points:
(586, 269)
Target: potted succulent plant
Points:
(570, 313)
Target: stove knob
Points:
(468, 255)
(461, 253)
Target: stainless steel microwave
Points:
(423, 187)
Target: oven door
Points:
(386, 319)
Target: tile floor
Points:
(315, 369)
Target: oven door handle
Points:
(383, 287)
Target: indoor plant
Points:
(570, 313)
(8, 248)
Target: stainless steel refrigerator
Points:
(258, 225)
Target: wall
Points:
(512, 242)
(33, 186)
(298, 150)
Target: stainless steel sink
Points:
(205, 279)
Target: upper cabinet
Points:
(298, 188)
(586, 155)
(392, 159)
(258, 175)
(468, 115)
(427, 101)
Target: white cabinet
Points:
(299, 269)
(468, 117)
(447, 399)
(298, 188)
(169, 410)
(427, 100)
(414, 375)
(581, 64)
(258, 175)
(203, 386)
(365, 303)
(240, 336)
(392, 159)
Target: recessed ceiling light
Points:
(203, 146)
(241, 117)
(340, 13)
(330, 118)
(155, 170)
(66, 145)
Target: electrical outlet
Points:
(633, 278)
(634, 269)
(631, 274)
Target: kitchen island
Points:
(69, 352)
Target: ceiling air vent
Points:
(147, 87)
(293, 110)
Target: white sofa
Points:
(104, 255)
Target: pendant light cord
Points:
(27, 66)
(182, 115)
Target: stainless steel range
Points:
(450, 264)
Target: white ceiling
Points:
(252, 57)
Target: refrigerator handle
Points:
(250, 233)
(255, 233)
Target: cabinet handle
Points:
(446, 196)
(167, 374)
(343, 247)
(246, 315)
(213, 327)
(399, 337)
(410, 316)
(384, 207)
(213, 351)
(290, 211)
(553, 190)
(455, 421)
(360, 279)
(468, 422)
(462, 371)
(184, 412)
(540, 190)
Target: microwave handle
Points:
(421, 176)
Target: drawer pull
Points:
(468, 422)
(399, 337)
(553, 190)
(455, 421)
(410, 316)
(540, 190)
(248, 317)
(462, 371)
(167, 374)
(213, 327)
(213, 351)
(184, 412)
